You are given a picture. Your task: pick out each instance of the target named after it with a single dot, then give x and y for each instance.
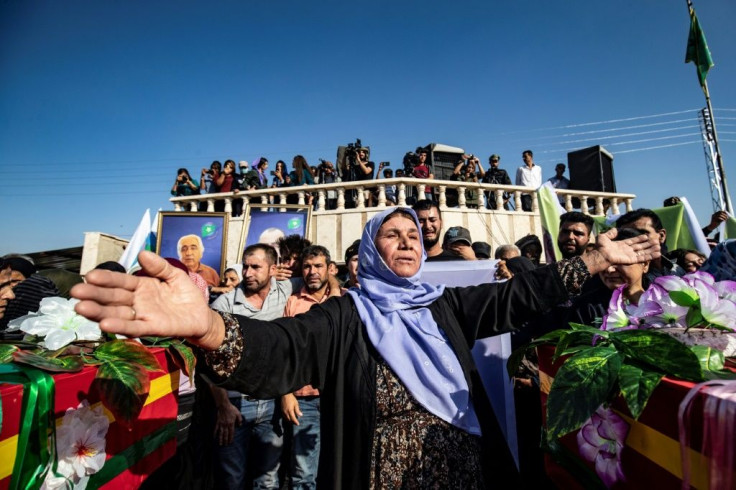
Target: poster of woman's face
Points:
(267, 223)
(198, 240)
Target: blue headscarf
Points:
(404, 332)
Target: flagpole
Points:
(719, 157)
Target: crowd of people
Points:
(361, 379)
(359, 168)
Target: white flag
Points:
(137, 242)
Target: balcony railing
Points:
(597, 202)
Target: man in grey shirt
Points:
(246, 427)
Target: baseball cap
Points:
(456, 234)
(482, 250)
(495, 157)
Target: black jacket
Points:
(328, 347)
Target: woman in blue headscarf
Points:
(402, 402)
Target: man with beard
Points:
(574, 234)
(248, 428)
(431, 221)
(301, 408)
(647, 221)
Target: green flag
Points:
(697, 49)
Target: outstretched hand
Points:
(167, 304)
(634, 250)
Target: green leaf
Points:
(694, 317)
(6, 353)
(514, 360)
(581, 385)
(123, 388)
(637, 385)
(159, 341)
(660, 352)
(684, 298)
(127, 351)
(710, 359)
(70, 364)
(573, 338)
(588, 328)
(184, 358)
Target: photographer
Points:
(326, 173)
(208, 178)
(356, 167)
(184, 185)
(466, 173)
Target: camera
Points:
(385, 164)
(410, 161)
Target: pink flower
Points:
(600, 441)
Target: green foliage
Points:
(6, 353)
(122, 378)
(70, 364)
(127, 351)
(123, 388)
(710, 359)
(660, 351)
(183, 357)
(514, 360)
(685, 297)
(637, 385)
(581, 385)
(626, 362)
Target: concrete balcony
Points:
(337, 228)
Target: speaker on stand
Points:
(591, 169)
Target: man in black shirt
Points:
(496, 175)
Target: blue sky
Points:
(101, 101)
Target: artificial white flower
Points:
(59, 324)
(80, 445)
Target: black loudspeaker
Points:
(591, 169)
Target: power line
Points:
(625, 135)
(605, 122)
(658, 147)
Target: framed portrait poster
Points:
(199, 240)
(266, 223)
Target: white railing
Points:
(601, 201)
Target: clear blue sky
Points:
(101, 101)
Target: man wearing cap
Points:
(498, 176)
(430, 219)
(528, 175)
(482, 250)
(457, 240)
